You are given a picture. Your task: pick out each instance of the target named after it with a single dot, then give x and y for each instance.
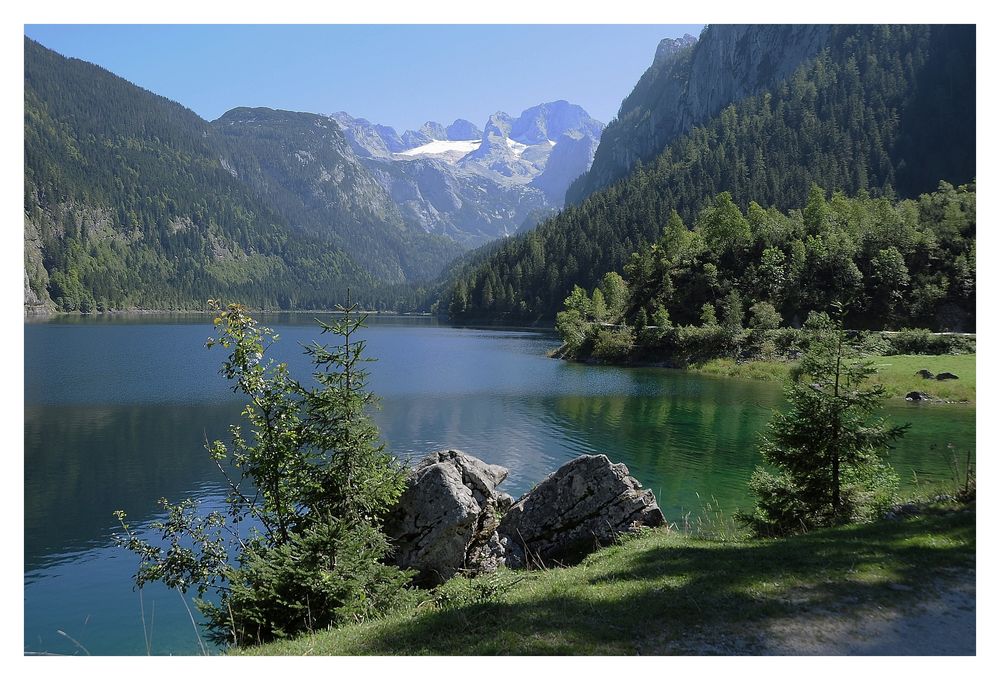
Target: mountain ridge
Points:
(474, 190)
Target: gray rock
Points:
(585, 503)
(686, 86)
(446, 520)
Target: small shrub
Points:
(470, 592)
(922, 341)
(613, 345)
(326, 576)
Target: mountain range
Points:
(477, 185)
(132, 200)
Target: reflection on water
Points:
(116, 413)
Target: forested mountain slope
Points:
(132, 200)
(885, 109)
(304, 166)
(691, 80)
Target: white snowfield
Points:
(455, 150)
(443, 146)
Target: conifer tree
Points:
(300, 545)
(826, 452)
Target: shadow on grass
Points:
(641, 596)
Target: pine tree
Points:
(300, 546)
(828, 447)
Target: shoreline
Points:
(208, 312)
(898, 384)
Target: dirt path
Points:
(940, 623)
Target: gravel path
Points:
(941, 623)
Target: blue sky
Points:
(395, 75)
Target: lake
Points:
(117, 410)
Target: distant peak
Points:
(433, 130)
(462, 130)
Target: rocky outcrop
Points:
(451, 519)
(463, 129)
(446, 520)
(569, 159)
(585, 503)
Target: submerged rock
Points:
(584, 504)
(446, 520)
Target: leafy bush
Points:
(613, 344)
(691, 344)
(922, 341)
(763, 316)
(325, 576)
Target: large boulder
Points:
(446, 519)
(582, 505)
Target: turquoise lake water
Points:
(117, 410)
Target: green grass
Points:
(651, 592)
(897, 373)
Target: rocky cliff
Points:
(689, 82)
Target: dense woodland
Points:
(133, 201)
(885, 110)
(721, 286)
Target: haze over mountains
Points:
(476, 185)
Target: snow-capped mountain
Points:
(475, 185)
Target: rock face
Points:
(689, 82)
(447, 518)
(585, 503)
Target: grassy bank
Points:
(663, 591)
(897, 373)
